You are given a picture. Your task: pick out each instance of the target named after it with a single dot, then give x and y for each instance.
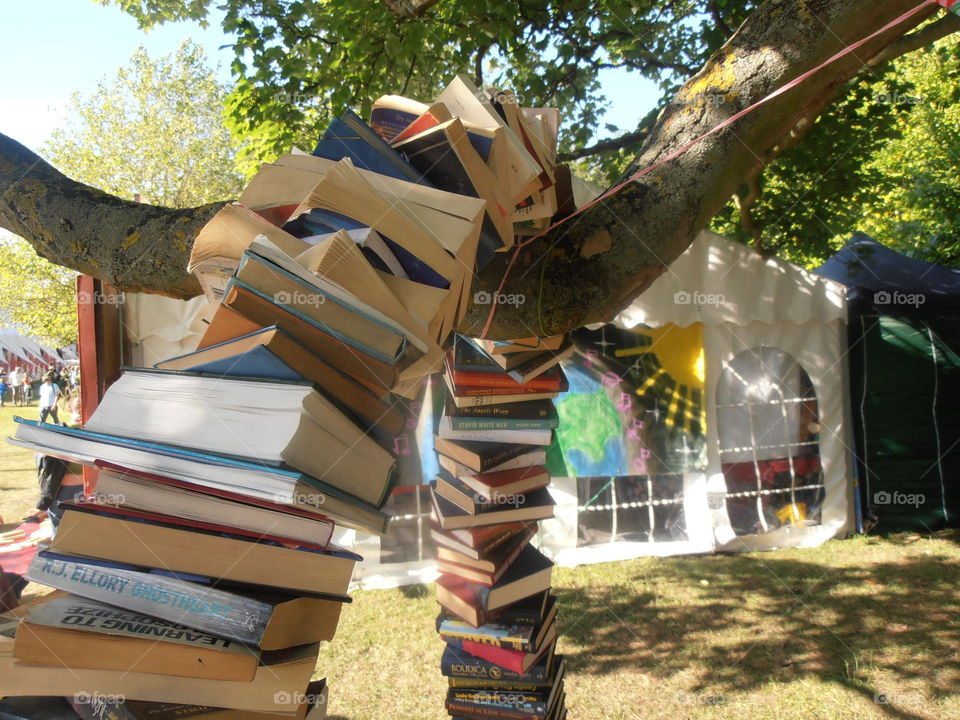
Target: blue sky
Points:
(52, 48)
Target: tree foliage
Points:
(297, 63)
(156, 128)
(36, 297)
(916, 209)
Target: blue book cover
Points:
(247, 468)
(349, 136)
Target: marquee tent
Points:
(905, 378)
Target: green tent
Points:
(904, 339)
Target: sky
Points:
(52, 48)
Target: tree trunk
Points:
(591, 266)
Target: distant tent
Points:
(905, 380)
(27, 353)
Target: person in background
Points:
(26, 392)
(49, 395)
(3, 388)
(15, 381)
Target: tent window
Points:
(768, 428)
(635, 508)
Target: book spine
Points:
(506, 708)
(503, 412)
(461, 390)
(480, 424)
(213, 611)
(472, 684)
(503, 381)
(460, 665)
(493, 458)
(455, 639)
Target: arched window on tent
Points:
(768, 430)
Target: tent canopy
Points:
(717, 281)
(879, 278)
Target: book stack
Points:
(202, 572)
(498, 617)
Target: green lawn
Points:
(18, 470)
(790, 635)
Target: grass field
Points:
(860, 628)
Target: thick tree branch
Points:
(650, 222)
(131, 245)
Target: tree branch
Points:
(131, 245)
(946, 25)
(718, 18)
(616, 143)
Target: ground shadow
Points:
(751, 619)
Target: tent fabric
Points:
(721, 281)
(904, 334)
(906, 378)
(883, 281)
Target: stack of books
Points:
(498, 617)
(202, 575)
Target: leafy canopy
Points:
(297, 63)
(36, 297)
(156, 128)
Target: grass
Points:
(19, 488)
(814, 634)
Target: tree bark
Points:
(587, 269)
(132, 246)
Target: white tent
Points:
(773, 469)
(765, 323)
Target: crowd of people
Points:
(20, 389)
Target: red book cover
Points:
(424, 122)
(552, 380)
(516, 660)
(216, 492)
